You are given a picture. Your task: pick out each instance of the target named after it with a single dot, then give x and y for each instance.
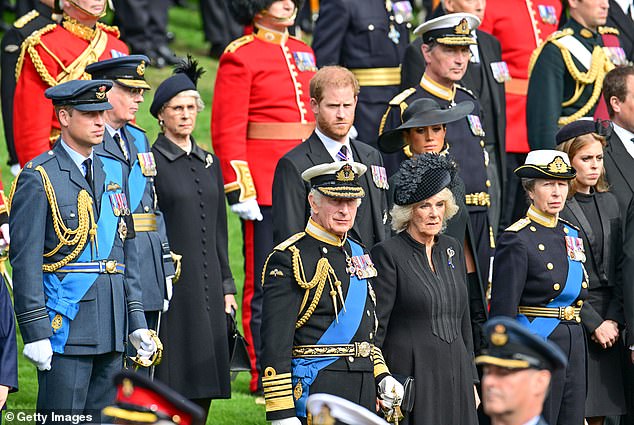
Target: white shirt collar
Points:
(112, 131)
(76, 157)
(333, 146)
(533, 421)
(626, 138)
(624, 5)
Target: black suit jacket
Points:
(619, 169)
(492, 98)
(290, 192)
(619, 20)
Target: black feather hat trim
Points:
(423, 176)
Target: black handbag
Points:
(407, 404)
(238, 355)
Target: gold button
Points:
(550, 266)
(541, 247)
(533, 229)
(578, 319)
(584, 284)
(580, 303)
(482, 143)
(488, 183)
(556, 287)
(565, 230)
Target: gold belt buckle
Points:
(362, 349)
(111, 266)
(567, 313)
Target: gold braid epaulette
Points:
(323, 273)
(538, 50)
(28, 45)
(112, 29)
(600, 65)
(86, 226)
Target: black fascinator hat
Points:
(186, 75)
(423, 176)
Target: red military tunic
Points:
(261, 110)
(520, 26)
(50, 56)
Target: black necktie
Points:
(88, 175)
(117, 138)
(343, 153)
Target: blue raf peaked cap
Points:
(129, 71)
(83, 95)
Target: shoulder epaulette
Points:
(283, 246)
(137, 127)
(239, 42)
(26, 18)
(114, 30)
(609, 30)
(552, 37)
(559, 34)
(400, 98)
(567, 223)
(466, 90)
(519, 225)
(29, 45)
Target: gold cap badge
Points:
(558, 166)
(462, 28)
(345, 174)
(499, 336)
(141, 69)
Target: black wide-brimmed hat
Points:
(336, 179)
(422, 113)
(512, 346)
(581, 127)
(245, 10)
(185, 77)
(423, 176)
(546, 164)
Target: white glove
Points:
(166, 306)
(40, 353)
(247, 210)
(4, 233)
(287, 421)
(388, 388)
(169, 289)
(143, 342)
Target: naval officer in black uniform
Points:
(539, 279)
(446, 42)
(319, 322)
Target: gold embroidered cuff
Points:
(278, 390)
(379, 363)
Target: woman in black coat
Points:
(596, 212)
(189, 189)
(422, 301)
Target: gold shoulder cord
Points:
(68, 237)
(323, 273)
(29, 45)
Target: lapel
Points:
(605, 225)
(99, 177)
(622, 159)
(584, 224)
(67, 164)
(112, 147)
(487, 72)
(317, 153)
(365, 180)
(622, 21)
(131, 145)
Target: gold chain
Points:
(68, 237)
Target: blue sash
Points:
(544, 326)
(342, 332)
(64, 296)
(136, 179)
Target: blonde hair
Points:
(571, 147)
(402, 214)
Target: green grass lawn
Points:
(187, 26)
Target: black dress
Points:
(598, 217)
(424, 327)
(189, 188)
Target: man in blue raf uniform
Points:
(319, 324)
(446, 42)
(539, 279)
(517, 369)
(69, 251)
(129, 145)
(368, 37)
(566, 72)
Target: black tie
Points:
(343, 153)
(88, 175)
(117, 138)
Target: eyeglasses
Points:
(180, 109)
(134, 91)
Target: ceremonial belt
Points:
(144, 222)
(378, 76)
(358, 349)
(481, 199)
(102, 266)
(562, 313)
(517, 86)
(280, 130)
